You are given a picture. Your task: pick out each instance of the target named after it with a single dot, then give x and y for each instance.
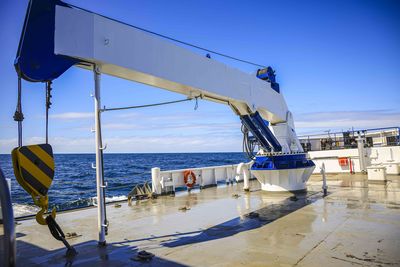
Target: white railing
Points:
(166, 181)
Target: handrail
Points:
(8, 223)
(200, 168)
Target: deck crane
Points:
(57, 36)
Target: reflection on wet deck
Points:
(358, 223)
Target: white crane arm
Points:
(126, 52)
(57, 36)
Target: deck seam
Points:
(317, 245)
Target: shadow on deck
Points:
(250, 221)
(89, 254)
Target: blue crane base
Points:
(282, 161)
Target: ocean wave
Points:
(74, 182)
(109, 199)
(23, 210)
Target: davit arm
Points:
(79, 37)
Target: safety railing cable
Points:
(147, 105)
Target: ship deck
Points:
(358, 223)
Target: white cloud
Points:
(137, 144)
(72, 115)
(119, 126)
(178, 116)
(8, 143)
(339, 120)
(190, 133)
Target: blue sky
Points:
(338, 64)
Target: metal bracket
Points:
(97, 69)
(93, 166)
(103, 147)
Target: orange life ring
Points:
(189, 178)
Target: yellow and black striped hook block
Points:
(34, 171)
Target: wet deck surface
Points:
(358, 223)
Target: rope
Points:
(18, 115)
(248, 146)
(148, 105)
(54, 228)
(176, 40)
(58, 234)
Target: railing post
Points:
(324, 186)
(9, 257)
(155, 181)
(361, 152)
(101, 207)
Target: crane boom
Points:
(78, 37)
(57, 36)
(126, 52)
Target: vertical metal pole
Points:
(361, 152)
(99, 159)
(18, 113)
(9, 243)
(324, 186)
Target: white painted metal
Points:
(101, 223)
(361, 153)
(8, 180)
(155, 180)
(283, 180)
(286, 135)
(243, 173)
(392, 167)
(205, 176)
(126, 52)
(386, 154)
(8, 237)
(376, 173)
(374, 156)
(129, 53)
(324, 186)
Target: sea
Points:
(74, 183)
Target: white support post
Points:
(155, 180)
(246, 178)
(361, 153)
(101, 207)
(324, 186)
(243, 171)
